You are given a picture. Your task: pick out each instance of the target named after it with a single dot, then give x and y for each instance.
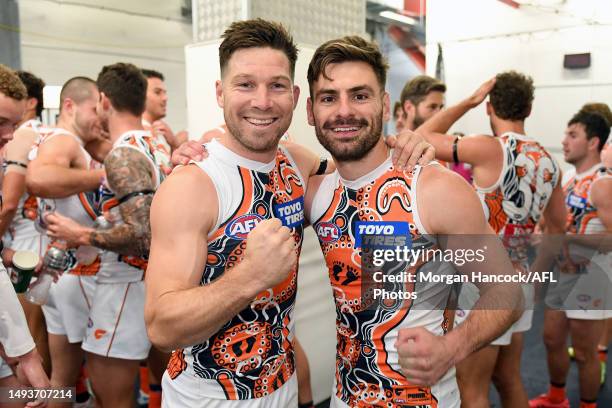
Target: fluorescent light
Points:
(391, 15)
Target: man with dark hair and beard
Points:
(396, 352)
(421, 98)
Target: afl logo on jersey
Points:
(328, 232)
(241, 226)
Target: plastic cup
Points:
(24, 263)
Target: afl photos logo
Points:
(241, 226)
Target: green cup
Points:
(24, 263)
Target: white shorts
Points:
(523, 324)
(586, 296)
(67, 309)
(116, 326)
(5, 370)
(184, 391)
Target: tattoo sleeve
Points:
(128, 171)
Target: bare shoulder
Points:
(18, 148)
(601, 191)
(447, 203)
(187, 197)
(128, 170)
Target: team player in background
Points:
(517, 181)
(19, 208)
(606, 160)
(420, 99)
(60, 174)
(18, 353)
(116, 337)
(584, 266)
(152, 119)
(392, 353)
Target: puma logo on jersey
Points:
(241, 226)
(328, 232)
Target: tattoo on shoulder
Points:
(128, 171)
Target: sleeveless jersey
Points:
(514, 204)
(80, 207)
(22, 226)
(161, 149)
(118, 268)
(251, 356)
(582, 215)
(367, 368)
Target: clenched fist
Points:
(423, 356)
(270, 253)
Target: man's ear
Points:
(386, 107)
(105, 101)
(309, 113)
(409, 110)
(593, 143)
(219, 92)
(489, 108)
(296, 95)
(31, 103)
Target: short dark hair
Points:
(345, 49)
(594, 126)
(512, 95)
(78, 89)
(11, 85)
(151, 73)
(35, 86)
(125, 86)
(600, 108)
(257, 33)
(419, 87)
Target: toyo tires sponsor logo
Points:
(328, 232)
(240, 227)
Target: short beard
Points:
(359, 148)
(417, 121)
(272, 144)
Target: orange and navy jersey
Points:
(515, 203)
(348, 217)
(252, 355)
(582, 217)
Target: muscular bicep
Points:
(455, 215)
(601, 192)
(179, 232)
(57, 151)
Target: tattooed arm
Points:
(128, 172)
